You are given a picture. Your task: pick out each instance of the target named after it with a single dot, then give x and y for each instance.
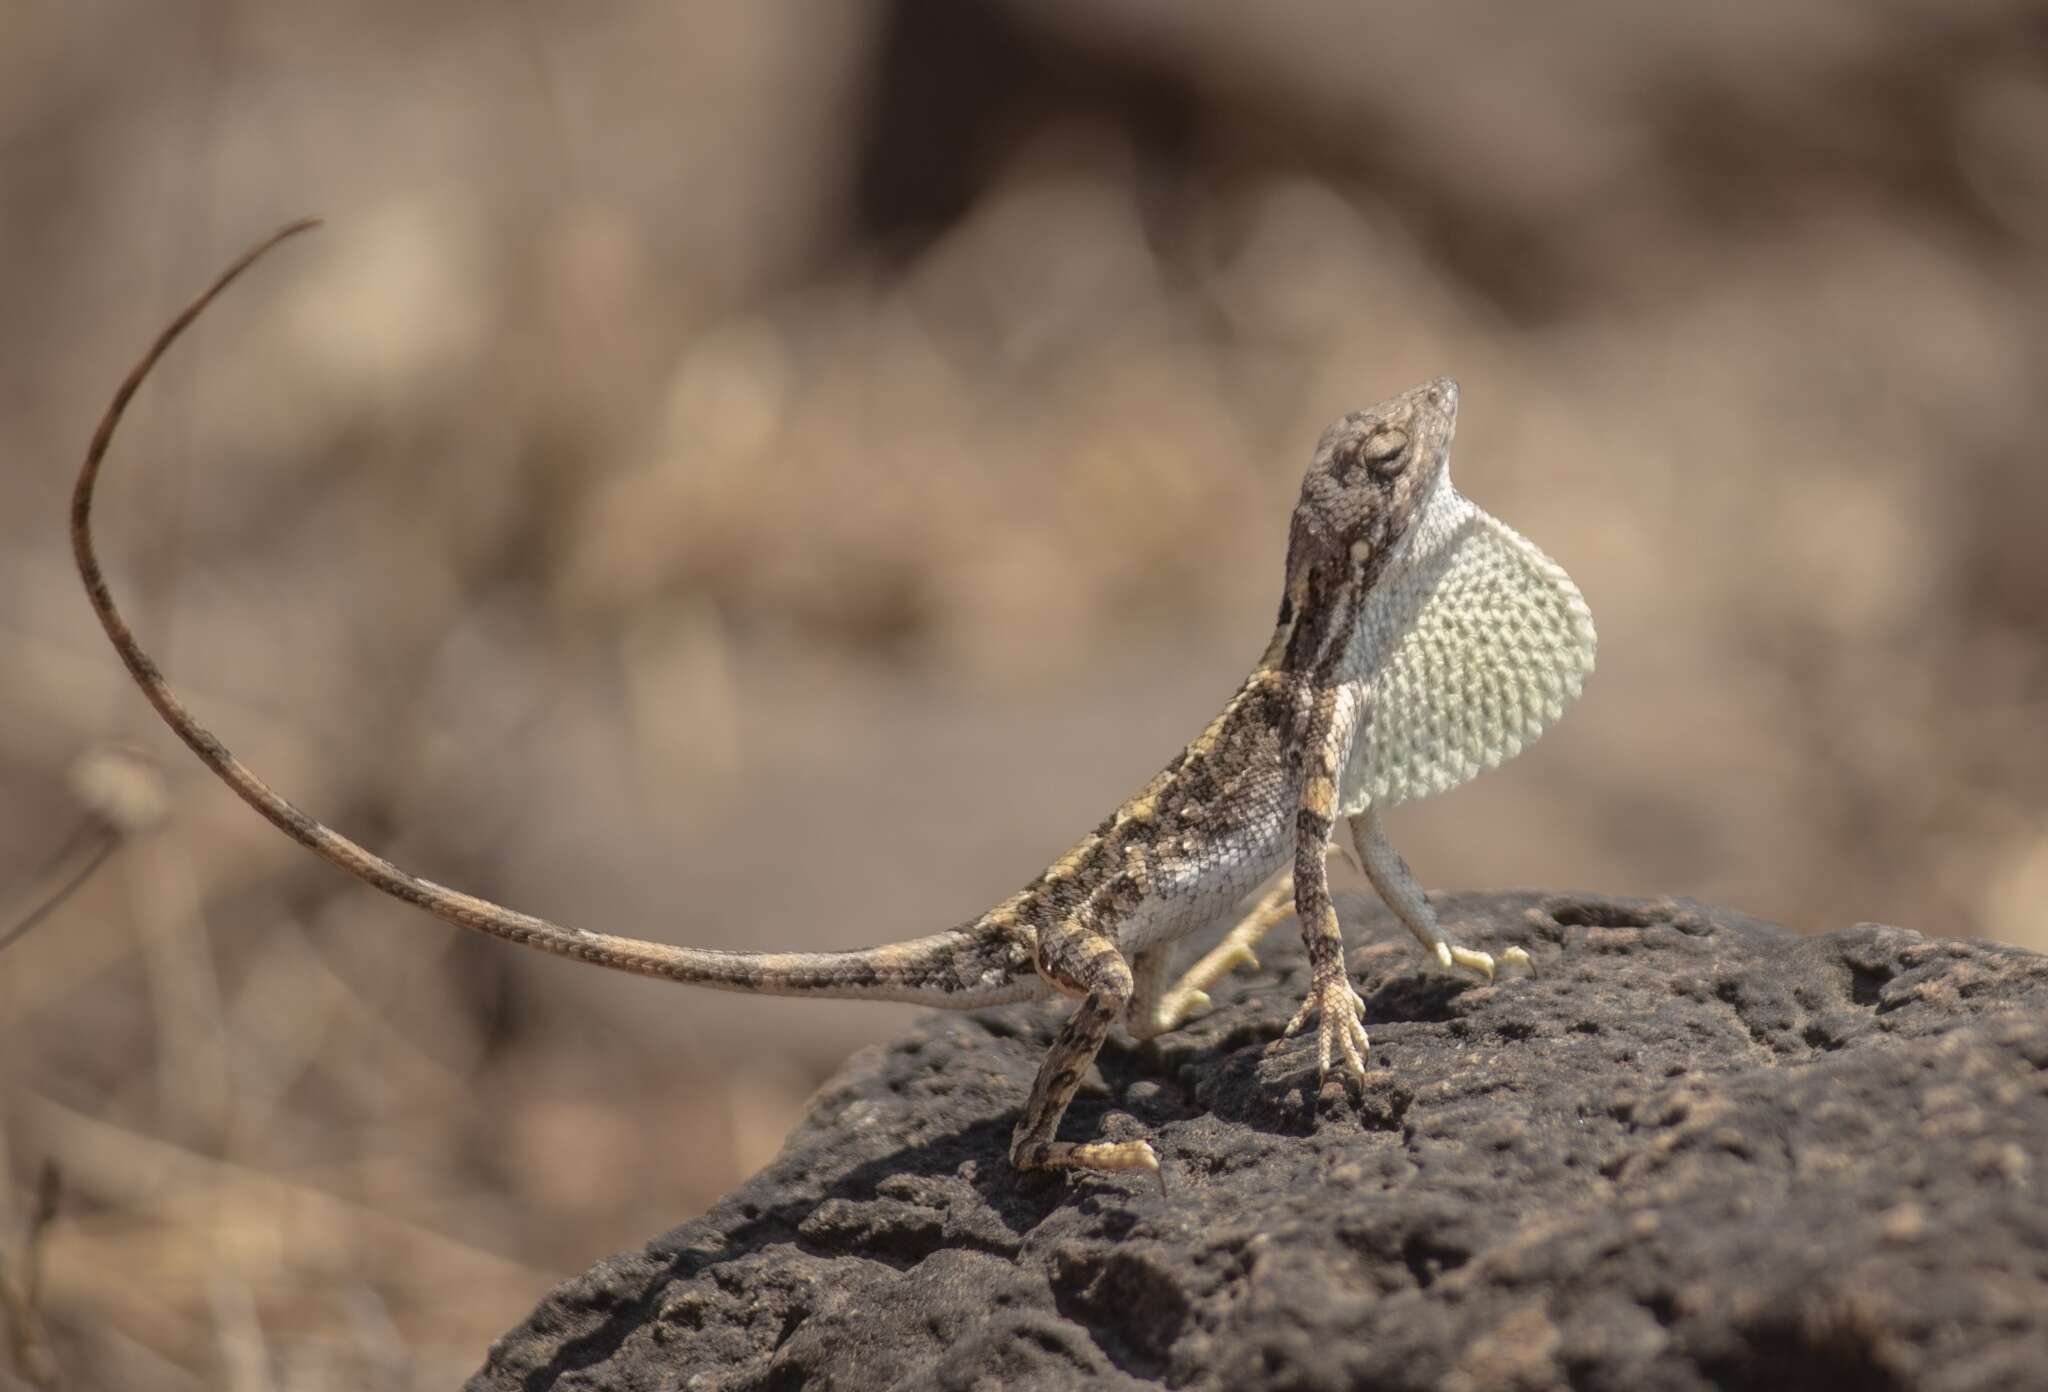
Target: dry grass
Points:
(639, 506)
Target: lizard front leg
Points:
(1331, 996)
(1396, 884)
(1080, 960)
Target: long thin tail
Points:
(961, 967)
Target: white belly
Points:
(1196, 893)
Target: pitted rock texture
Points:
(1693, 1151)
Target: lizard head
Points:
(1373, 471)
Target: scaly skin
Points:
(1256, 792)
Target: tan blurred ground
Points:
(769, 475)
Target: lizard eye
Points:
(1382, 450)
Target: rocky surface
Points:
(1693, 1151)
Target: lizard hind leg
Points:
(1079, 960)
(1190, 995)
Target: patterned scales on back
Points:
(1479, 640)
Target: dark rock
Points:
(1694, 1151)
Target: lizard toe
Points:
(1471, 959)
(1340, 1031)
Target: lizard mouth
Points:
(1437, 403)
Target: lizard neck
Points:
(1312, 643)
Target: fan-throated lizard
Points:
(1418, 642)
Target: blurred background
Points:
(770, 476)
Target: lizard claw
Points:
(1175, 1009)
(1484, 963)
(1471, 959)
(1341, 1029)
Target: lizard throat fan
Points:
(1479, 641)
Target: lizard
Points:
(1418, 640)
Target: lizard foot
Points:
(1107, 1156)
(1342, 1025)
(1471, 959)
(1190, 994)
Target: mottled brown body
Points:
(1255, 793)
